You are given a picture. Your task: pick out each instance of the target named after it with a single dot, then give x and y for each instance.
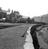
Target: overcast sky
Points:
(26, 7)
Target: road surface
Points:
(12, 38)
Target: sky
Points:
(28, 8)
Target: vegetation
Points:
(11, 37)
(13, 17)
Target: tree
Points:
(32, 21)
(28, 19)
(8, 10)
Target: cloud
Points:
(26, 7)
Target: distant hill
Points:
(43, 18)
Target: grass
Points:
(11, 38)
(14, 37)
(43, 39)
